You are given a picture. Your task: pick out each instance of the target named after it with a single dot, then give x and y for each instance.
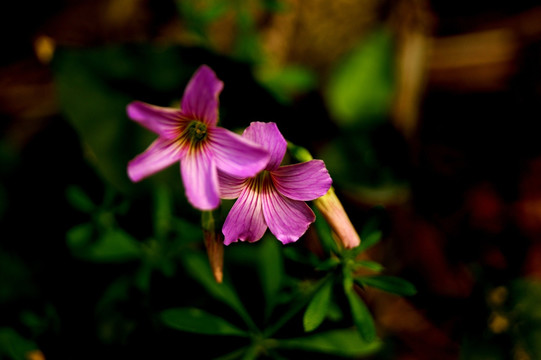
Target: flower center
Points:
(197, 131)
(261, 181)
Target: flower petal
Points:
(200, 100)
(287, 219)
(305, 181)
(268, 136)
(200, 179)
(230, 186)
(236, 155)
(245, 220)
(159, 155)
(163, 121)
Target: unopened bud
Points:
(332, 210)
(214, 242)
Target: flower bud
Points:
(332, 210)
(214, 242)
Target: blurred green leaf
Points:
(96, 112)
(199, 321)
(247, 46)
(334, 312)
(361, 87)
(336, 342)
(187, 232)
(198, 267)
(361, 315)
(36, 323)
(79, 236)
(390, 284)
(371, 265)
(299, 153)
(114, 246)
(93, 86)
(79, 200)
(16, 278)
(274, 5)
(318, 307)
(285, 83)
(526, 314)
(270, 265)
(199, 15)
(325, 233)
(13, 345)
(163, 216)
(328, 264)
(116, 292)
(367, 242)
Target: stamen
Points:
(195, 132)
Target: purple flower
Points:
(190, 135)
(276, 196)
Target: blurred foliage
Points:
(313, 299)
(361, 86)
(112, 77)
(13, 346)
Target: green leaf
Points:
(325, 233)
(251, 353)
(361, 87)
(13, 345)
(297, 304)
(79, 200)
(390, 284)
(372, 239)
(285, 83)
(270, 265)
(329, 264)
(299, 153)
(371, 265)
(361, 315)
(115, 246)
(163, 217)
(198, 267)
(79, 236)
(344, 342)
(198, 321)
(318, 307)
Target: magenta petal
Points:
(159, 155)
(200, 100)
(245, 220)
(163, 121)
(287, 219)
(230, 186)
(236, 155)
(268, 136)
(200, 179)
(305, 181)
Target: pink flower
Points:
(274, 198)
(189, 135)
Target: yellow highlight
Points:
(498, 323)
(44, 47)
(35, 355)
